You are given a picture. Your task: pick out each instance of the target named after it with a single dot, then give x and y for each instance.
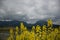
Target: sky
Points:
(30, 11)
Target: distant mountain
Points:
(41, 23)
(17, 23)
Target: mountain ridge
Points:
(17, 23)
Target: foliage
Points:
(36, 33)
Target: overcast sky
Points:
(30, 10)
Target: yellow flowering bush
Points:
(36, 32)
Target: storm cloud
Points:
(30, 10)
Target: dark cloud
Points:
(29, 10)
(0, 3)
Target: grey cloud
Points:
(29, 10)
